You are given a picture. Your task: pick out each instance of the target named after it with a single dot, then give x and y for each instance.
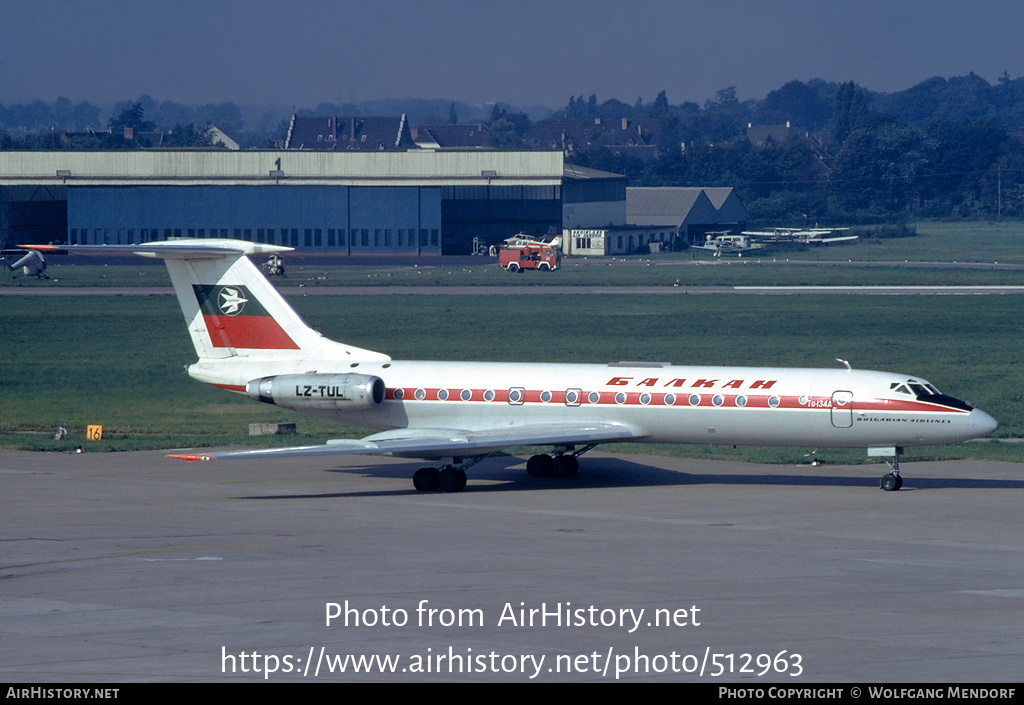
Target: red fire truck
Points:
(524, 252)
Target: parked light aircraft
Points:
(722, 242)
(800, 236)
(250, 341)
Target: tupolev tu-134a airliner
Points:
(250, 341)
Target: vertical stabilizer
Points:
(230, 307)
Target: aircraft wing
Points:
(441, 442)
(184, 248)
(48, 249)
(844, 238)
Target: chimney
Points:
(625, 123)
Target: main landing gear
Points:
(892, 481)
(450, 478)
(562, 464)
(548, 466)
(447, 479)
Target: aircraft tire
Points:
(426, 479)
(451, 480)
(540, 466)
(566, 466)
(891, 482)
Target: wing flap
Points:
(440, 442)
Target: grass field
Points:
(943, 242)
(118, 361)
(936, 242)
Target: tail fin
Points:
(230, 307)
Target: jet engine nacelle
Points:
(325, 391)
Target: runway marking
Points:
(1007, 592)
(875, 288)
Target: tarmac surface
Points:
(135, 567)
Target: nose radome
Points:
(982, 424)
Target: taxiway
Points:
(134, 567)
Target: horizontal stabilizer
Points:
(185, 248)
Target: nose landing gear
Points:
(892, 481)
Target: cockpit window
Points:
(920, 390)
(928, 393)
(925, 391)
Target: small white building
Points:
(618, 240)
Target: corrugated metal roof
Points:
(669, 206)
(195, 167)
(718, 194)
(730, 208)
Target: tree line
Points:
(946, 148)
(943, 149)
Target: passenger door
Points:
(842, 409)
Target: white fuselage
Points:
(660, 403)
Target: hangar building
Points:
(349, 202)
(346, 202)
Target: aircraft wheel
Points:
(425, 479)
(451, 480)
(540, 466)
(891, 482)
(566, 466)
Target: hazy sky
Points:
(526, 52)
